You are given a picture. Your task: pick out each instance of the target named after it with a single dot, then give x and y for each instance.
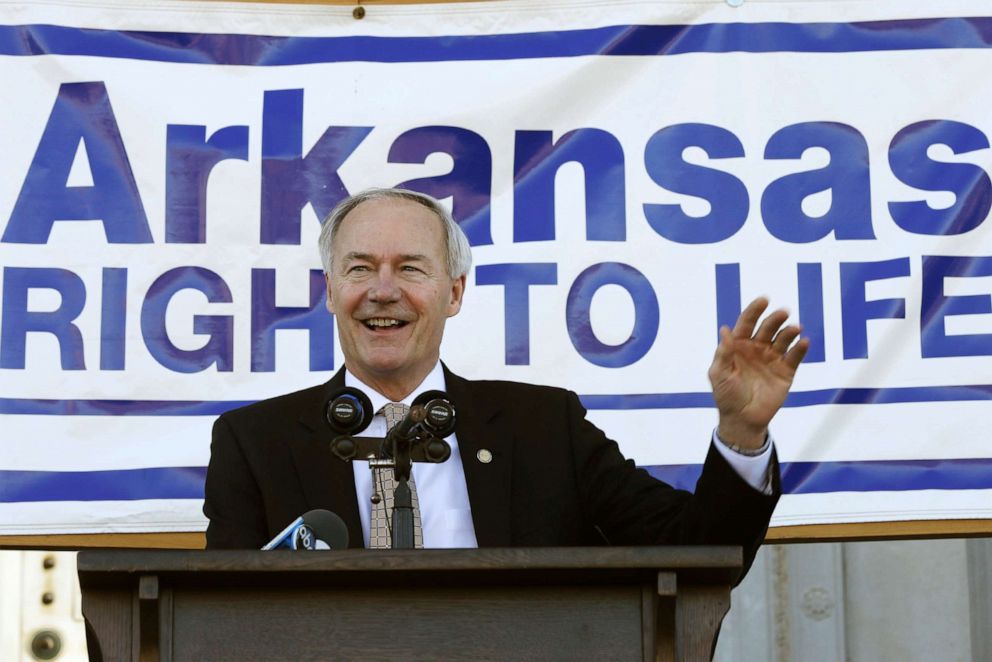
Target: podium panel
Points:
(634, 603)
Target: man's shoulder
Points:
(497, 389)
(507, 385)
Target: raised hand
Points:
(752, 371)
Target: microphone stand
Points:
(399, 443)
(402, 516)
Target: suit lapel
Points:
(481, 428)
(326, 481)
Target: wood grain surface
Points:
(782, 534)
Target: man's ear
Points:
(457, 293)
(328, 302)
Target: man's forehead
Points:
(389, 206)
(390, 225)
(390, 211)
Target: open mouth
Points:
(383, 323)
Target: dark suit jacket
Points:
(555, 479)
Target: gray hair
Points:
(457, 249)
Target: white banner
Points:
(628, 173)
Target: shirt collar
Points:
(434, 381)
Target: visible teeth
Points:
(382, 322)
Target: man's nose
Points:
(384, 289)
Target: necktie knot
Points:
(394, 413)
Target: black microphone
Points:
(316, 529)
(348, 411)
(440, 417)
(431, 411)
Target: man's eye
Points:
(357, 268)
(409, 268)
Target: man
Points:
(526, 467)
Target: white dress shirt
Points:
(445, 513)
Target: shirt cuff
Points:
(753, 469)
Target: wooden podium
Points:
(610, 603)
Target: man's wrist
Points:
(749, 451)
(752, 465)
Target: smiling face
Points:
(390, 293)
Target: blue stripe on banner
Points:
(701, 400)
(832, 396)
(637, 40)
(36, 407)
(797, 478)
(120, 485)
(866, 476)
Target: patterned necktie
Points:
(380, 536)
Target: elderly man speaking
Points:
(526, 467)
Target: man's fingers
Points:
(749, 317)
(785, 338)
(770, 326)
(795, 355)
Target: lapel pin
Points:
(484, 456)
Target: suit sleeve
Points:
(630, 507)
(232, 501)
